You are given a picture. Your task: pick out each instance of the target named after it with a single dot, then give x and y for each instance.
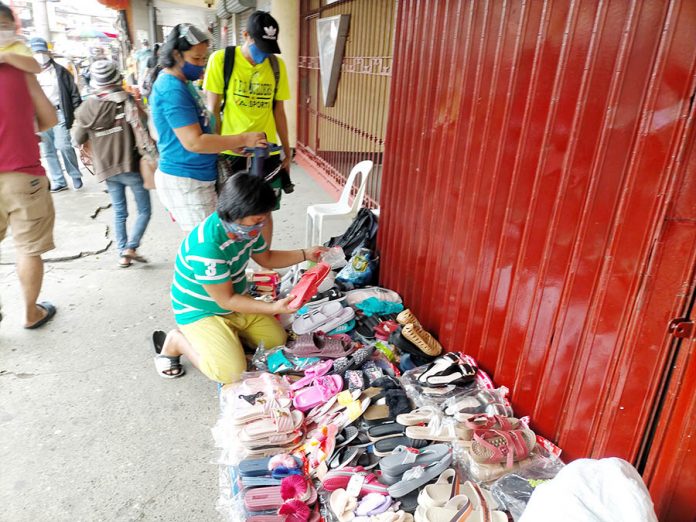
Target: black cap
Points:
(263, 29)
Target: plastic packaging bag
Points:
(540, 456)
(513, 490)
(334, 257)
(606, 490)
(359, 271)
(276, 360)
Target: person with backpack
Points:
(188, 148)
(59, 86)
(246, 87)
(114, 124)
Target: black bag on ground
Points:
(362, 233)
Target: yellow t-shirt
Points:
(17, 47)
(249, 106)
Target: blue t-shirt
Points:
(176, 104)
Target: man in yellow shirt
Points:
(254, 99)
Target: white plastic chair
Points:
(317, 213)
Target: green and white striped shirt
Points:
(208, 257)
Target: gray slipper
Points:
(419, 476)
(402, 459)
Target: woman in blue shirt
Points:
(188, 148)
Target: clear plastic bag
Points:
(334, 257)
(432, 396)
(539, 457)
(513, 490)
(277, 360)
(473, 400)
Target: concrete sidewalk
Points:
(88, 430)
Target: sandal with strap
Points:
(496, 447)
(492, 422)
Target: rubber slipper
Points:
(418, 416)
(136, 257)
(308, 285)
(384, 431)
(314, 320)
(323, 389)
(355, 296)
(342, 505)
(440, 492)
(447, 512)
(285, 422)
(402, 459)
(165, 363)
(384, 447)
(373, 504)
(125, 264)
(346, 315)
(263, 499)
(313, 372)
(321, 345)
(50, 313)
(418, 476)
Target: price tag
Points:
(355, 484)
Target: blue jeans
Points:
(117, 190)
(54, 140)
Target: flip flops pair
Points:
(321, 345)
(448, 369)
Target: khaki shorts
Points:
(188, 200)
(26, 208)
(218, 341)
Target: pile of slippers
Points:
(377, 425)
(276, 489)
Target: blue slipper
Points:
(50, 312)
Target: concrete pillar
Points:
(287, 13)
(41, 20)
(140, 22)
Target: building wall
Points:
(534, 155)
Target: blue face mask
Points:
(242, 232)
(257, 54)
(192, 72)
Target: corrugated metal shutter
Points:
(242, 19)
(531, 177)
(227, 7)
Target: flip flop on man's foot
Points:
(135, 256)
(125, 262)
(50, 312)
(167, 366)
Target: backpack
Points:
(362, 233)
(229, 66)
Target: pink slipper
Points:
(324, 388)
(312, 373)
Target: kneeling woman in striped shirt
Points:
(208, 291)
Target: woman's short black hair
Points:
(245, 195)
(176, 41)
(6, 12)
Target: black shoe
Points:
(59, 189)
(289, 189)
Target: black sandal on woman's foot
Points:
(168, 367)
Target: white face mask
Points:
(7, 36)
(42, 58)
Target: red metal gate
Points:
(534, 155)
(331, 140)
